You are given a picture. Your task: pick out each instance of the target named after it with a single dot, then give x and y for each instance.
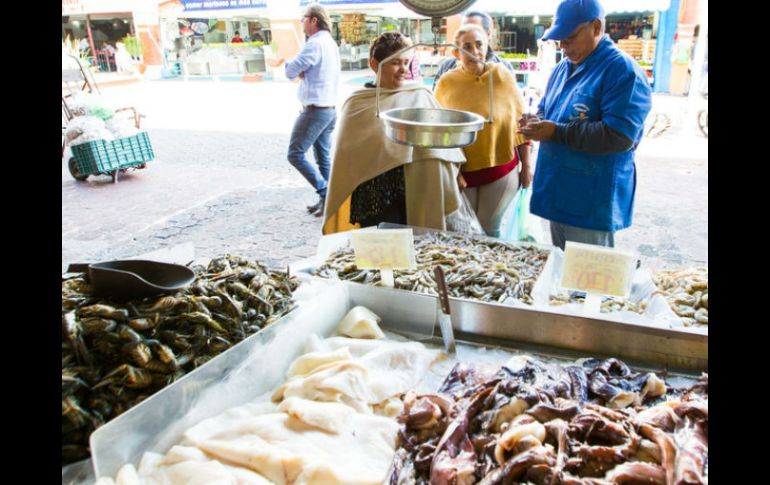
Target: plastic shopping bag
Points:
(522, 225)
(464, 219)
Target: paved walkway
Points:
(221, 180)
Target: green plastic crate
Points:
(102, 156)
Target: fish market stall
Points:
(496, 272)
(496, 408)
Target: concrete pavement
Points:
(221, 180)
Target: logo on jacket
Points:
(579, 112)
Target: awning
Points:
(525, 8)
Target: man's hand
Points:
(526, 119)
(525, 176)
(539, 130)
(461, 183)
(276, 62)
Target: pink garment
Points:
(414, 69)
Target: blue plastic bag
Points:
(521, 224)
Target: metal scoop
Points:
(129, 279)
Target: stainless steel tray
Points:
(574, 329)
(679, 350)
(252, 367)
(257, 365)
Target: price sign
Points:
(384, 249)
(597, 270)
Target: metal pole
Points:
(90, 36)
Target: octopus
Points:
(549, 424)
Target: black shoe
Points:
(320, 211)
(314, 208)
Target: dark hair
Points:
(486, 20)
(387, 44)
(237, 33)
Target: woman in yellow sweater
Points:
(494, 171)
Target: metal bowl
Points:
(432, 127)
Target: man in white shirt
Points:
(318, 66)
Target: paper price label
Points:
(384, 249)
(597, 270)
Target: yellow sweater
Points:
(459, 89)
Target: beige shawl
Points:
(363, 151)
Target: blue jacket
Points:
(587, 190)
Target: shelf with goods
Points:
(642, 50)
(639, 49)
(522, 65)
(353, 28)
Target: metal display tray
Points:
(258, 365)
(549, 326)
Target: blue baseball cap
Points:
(570, 14)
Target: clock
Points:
(437, 8)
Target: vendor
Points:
(236, 38)
(376, 180)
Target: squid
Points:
(637, 473)
(455, 458)
(545, 412)
(693, 454)
(517, 466)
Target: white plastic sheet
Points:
(83, 129)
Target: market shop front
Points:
(112, 36)
(214, 38)
(633, 25)
(357, 24)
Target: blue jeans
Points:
(561, 233)
(313, 128)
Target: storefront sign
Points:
(384, 249)
(305, 3)
(222, 4)
(597, 270)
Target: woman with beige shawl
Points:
(374, 179)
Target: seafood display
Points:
(332, 420)
(476, 269)
(115, 354)
(596, 422)
(687, 293)
(609, 304)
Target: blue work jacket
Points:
(587, 190)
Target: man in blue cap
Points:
(589, 123)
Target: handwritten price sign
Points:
(384, 249)
(597, 270)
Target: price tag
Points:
(386, 250)
(597, 270)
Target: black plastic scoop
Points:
(130, 279)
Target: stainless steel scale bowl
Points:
(433, 127)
